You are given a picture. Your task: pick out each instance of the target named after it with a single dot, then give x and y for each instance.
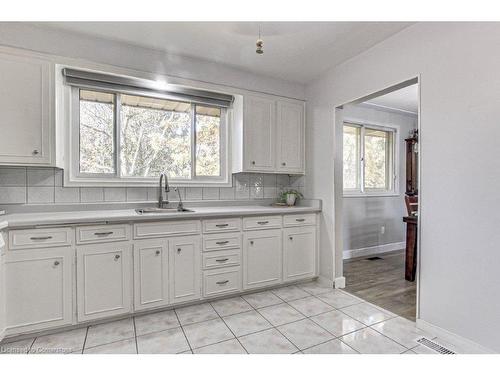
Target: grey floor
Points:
(382, 282)
(307, 318)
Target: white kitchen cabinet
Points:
(299, 253)
(38, 289)
(290, 137)
(268, 135)
(150, 273)
(184, 268)
(2, 288)
(262, 258)
(104, 279)
(26, 105)
(259, 116)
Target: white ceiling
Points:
(294, 51)
(405, 99)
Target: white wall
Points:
(79, 46)
(458, 65)
(363, 217)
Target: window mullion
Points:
(117, 129)
(193, 141)
(362, 159)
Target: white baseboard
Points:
(467, 346)
(364, 251)
(339, 282)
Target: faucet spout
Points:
(161, 202)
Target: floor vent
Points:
(435, 346)
(374, 258)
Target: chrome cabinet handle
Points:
(283, 164)
(262, 222)
(36, 152)
(222, 242)
(291, 237)
(117, 257)
(300, 220)
(56, 263)
(179, 250)
(41, 238)
(221, 225)
(222, 260)
(157, 252)
(222, 282)
(251, 242)
(253, 162)
(103, 233)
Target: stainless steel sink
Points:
(157, 210)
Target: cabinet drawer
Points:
(223, 258)
(221, 281)
(261, 222)
(220, 241)
(222, 225)
(300, 219)
(40, 238)
(167, 228)
(102, 233)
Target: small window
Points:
(132, 138)
(368, 159)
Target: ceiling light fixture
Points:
(260, 45)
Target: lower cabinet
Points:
(299, 253)
(262, 258)
(184, 268)
(150, 274)
(38, 289)
(104, 280)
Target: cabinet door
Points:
(103, 280)
(150, 274)
(184, 268)
(38, 289)
(262, 258)
(290, 130)
(26, 107)
(259, 121)
(299, 253)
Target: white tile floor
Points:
(306, 318)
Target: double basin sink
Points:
(157, 210)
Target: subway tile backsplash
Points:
(30, 185)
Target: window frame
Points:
(77, 178)
(393, 170)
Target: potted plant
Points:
(290, 196)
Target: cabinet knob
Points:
(291, 237)
(117, 257)
(157, 252)
(253, 162)
(36, 152)
(179, 250)
(56, 263)
(251, 242)
(283, 164)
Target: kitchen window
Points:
(129, 139)
(369, 165)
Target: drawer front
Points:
(220, 241)
(167, 228)
(298, 220)
(223, 258)
(40, 238)
(102, 233)
(227, 280)
(222, 225)
(262, 222)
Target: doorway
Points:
(378, 214)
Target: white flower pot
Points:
(290, 199)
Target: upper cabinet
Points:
(268, 135)
(26, 104)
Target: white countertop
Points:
(124, 215)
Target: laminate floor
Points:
(382, 282)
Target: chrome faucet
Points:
(162, 203)
(180, 205)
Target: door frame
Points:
(338, 179)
